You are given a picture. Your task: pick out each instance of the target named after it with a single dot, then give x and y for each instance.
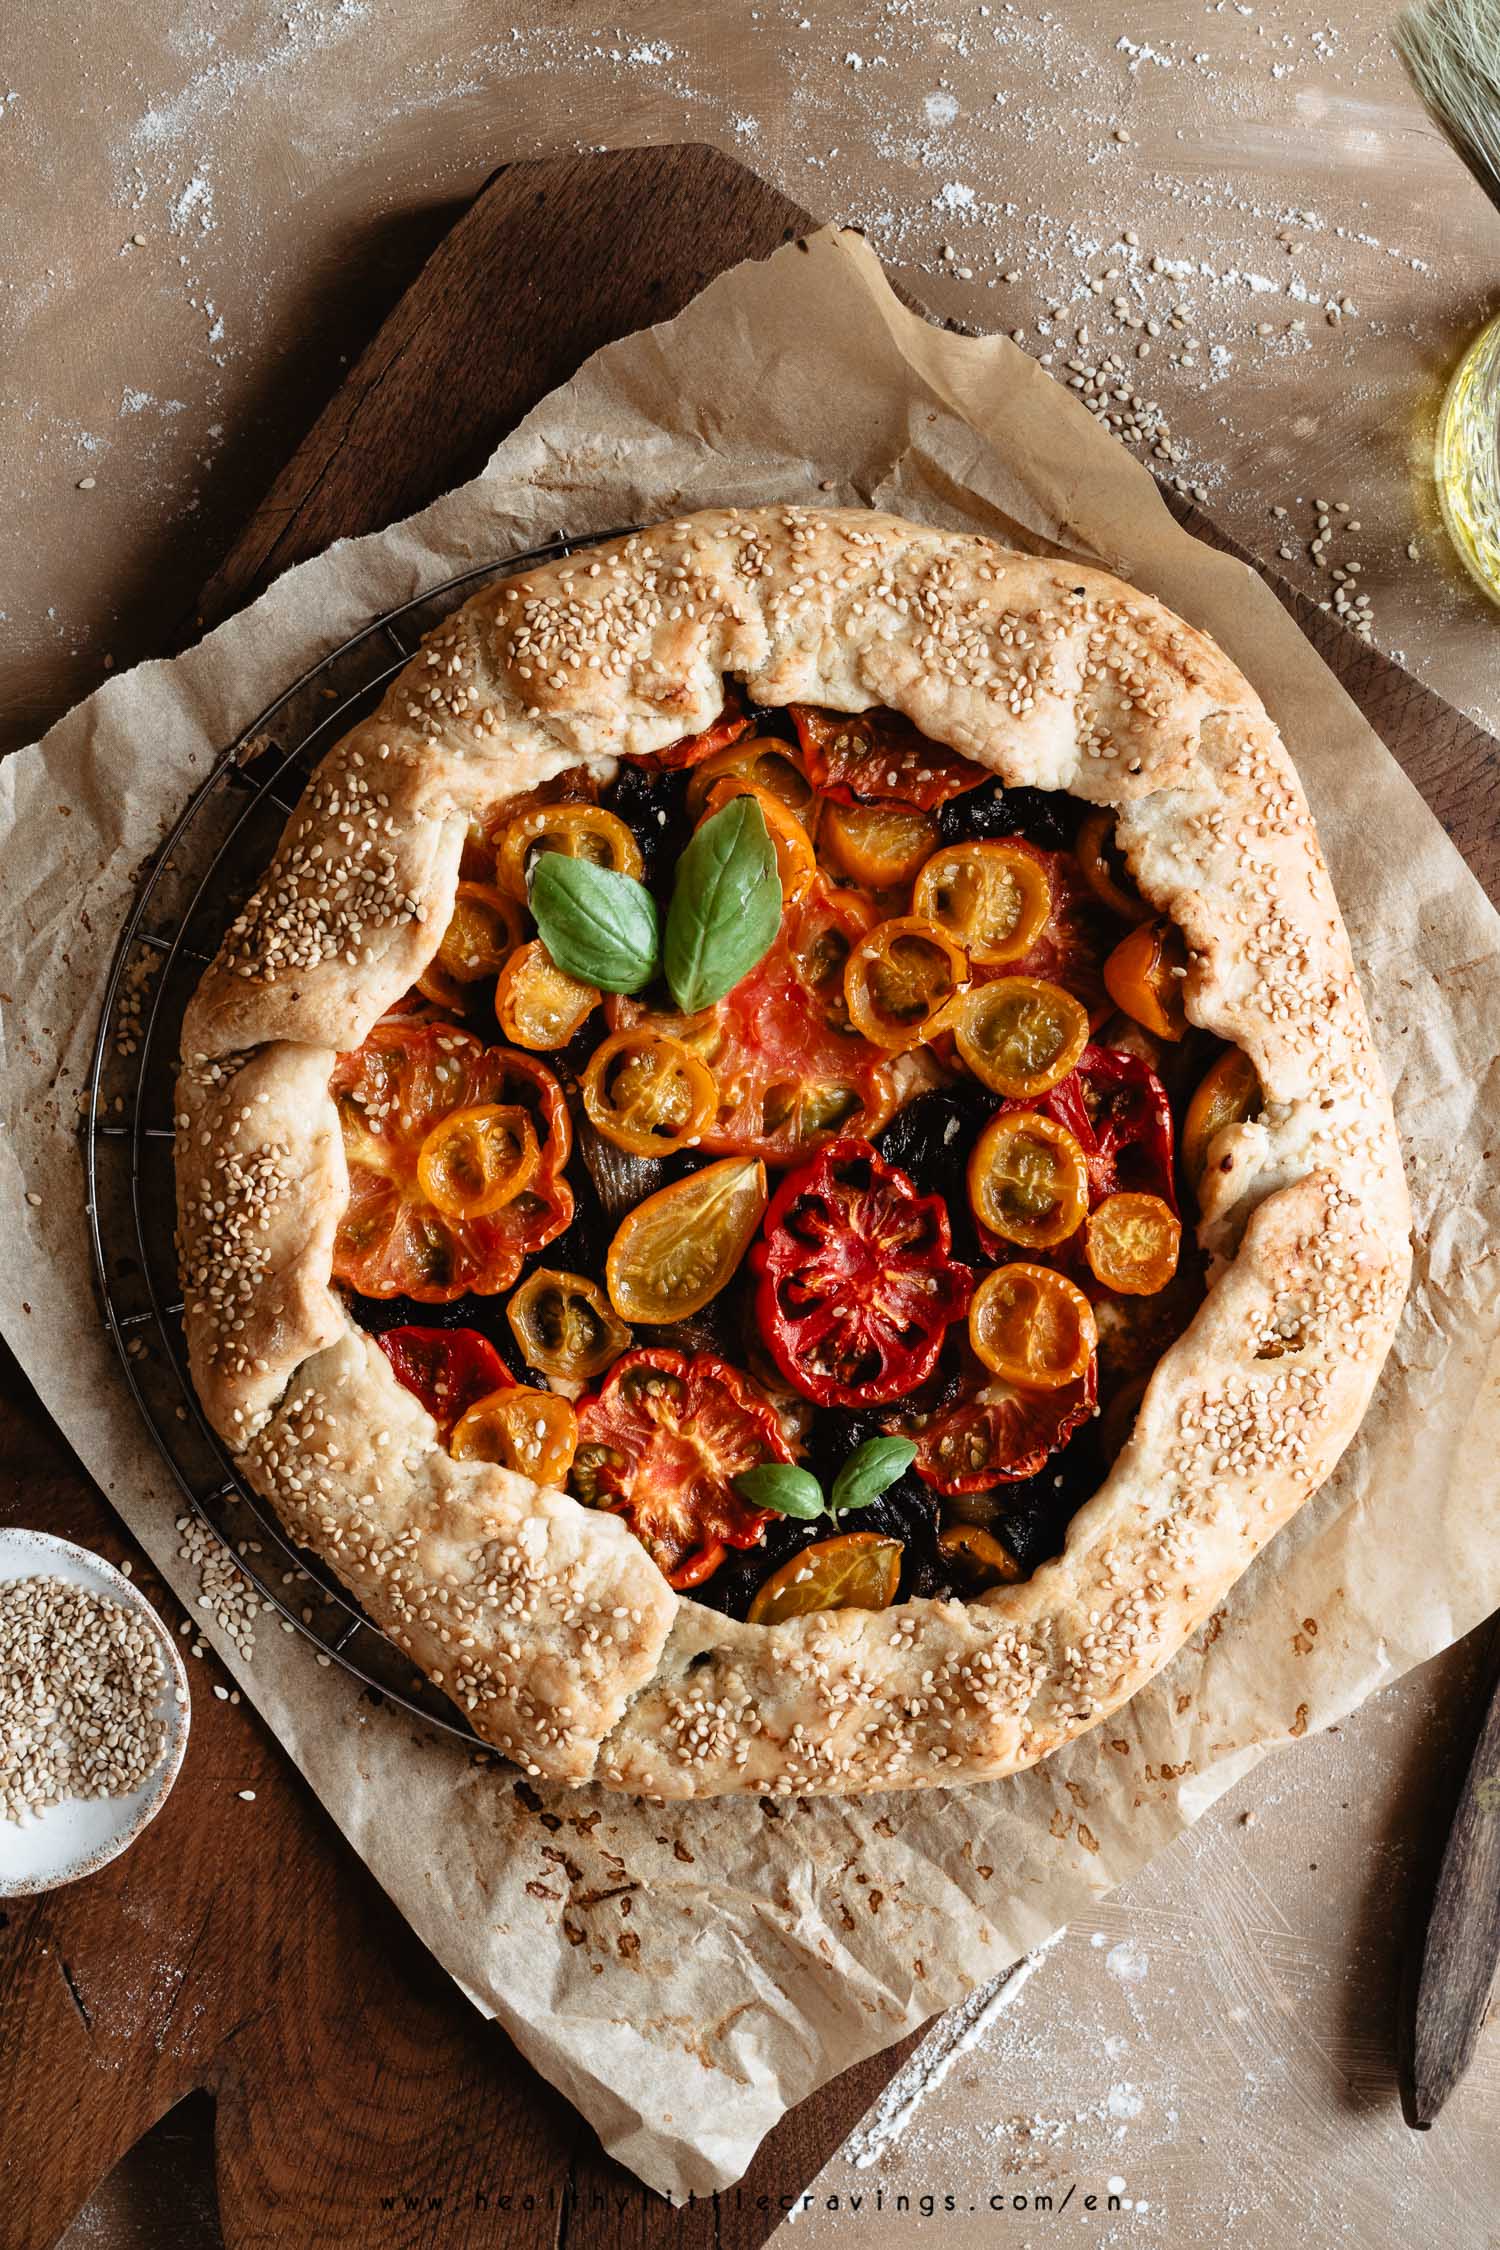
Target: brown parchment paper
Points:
(685, 1975)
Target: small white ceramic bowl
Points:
(83, 1834)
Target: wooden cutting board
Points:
(243, 1948)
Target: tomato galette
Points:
(785, 1173)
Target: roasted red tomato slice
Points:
(390, 1093)
(878, 754)
(857, 1288)
(447, 1369)
(1117, 1110)
(1001, 1433)
(661, 1442)
(788, 1069)
(732, 722)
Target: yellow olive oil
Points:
(1466, 459)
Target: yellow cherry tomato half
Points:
(483, 929)
(476, 1160)
(678, 1249)
(1227, 1094)
(790, 841)
(1103, 869)
(565, 1325)
(537, 1004)
(765, 761)
(1131, 1244)
(880, 847)
(993, 898)
(533, 1432)
(1033, 1326)
(1143, 976)
(648, 1092)
(582, 831)
(1028, 1180)
(1020, 1035)
(857, 1570)
(979, 1559)
(900, 982)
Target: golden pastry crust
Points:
(546, 1621)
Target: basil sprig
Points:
(870, 1469)
(776, 1484)
(726, 906)
(597, 925)
(602, 927)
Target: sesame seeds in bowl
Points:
(93, 1712)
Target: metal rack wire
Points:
(187, 898)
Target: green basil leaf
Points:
(726, 906)
(870, 1468)
(597, 925)
(775, 1484)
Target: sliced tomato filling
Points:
(879, 754)
(447, 1369)
(857, 1289)
(788, 1070)
(661, 1442)
(390, 1093)
(733, 721)
(1117, 1110)
(1001, 1433)
(1074, 940)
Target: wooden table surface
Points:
(1227, 2049)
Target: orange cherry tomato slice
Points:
(978, 1559)
(1143, 976)
(1229, 1093)
(532, 1432)
(856, 1570)
(1131, 1244)
(582, 831)
(765, 761)
(1103, 869)
(1020, 1035)
(900, 983)
(682, 1245)
(1028, 1180)
(992, 897)
(1033, 1326)
(475, 1160)
(790, 841)
(648, 1092)
(483, 929)
(565, 1325)
(880, 847)
(537, 1004)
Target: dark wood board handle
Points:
(1462, 1950)
(554, 259)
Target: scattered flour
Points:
(958, 2033)
(1127, 1963)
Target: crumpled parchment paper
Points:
(686, 1975)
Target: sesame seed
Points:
(81, 1683)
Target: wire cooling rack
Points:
(188, 896)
